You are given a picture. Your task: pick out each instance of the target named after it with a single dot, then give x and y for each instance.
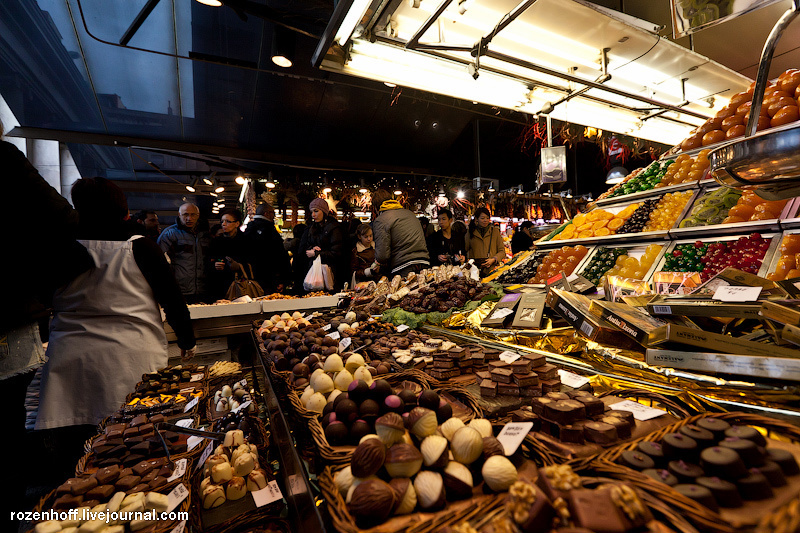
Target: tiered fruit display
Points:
(752, 207)
(603, 260)
(595, 223)
(712, 208)
(643, 181)
(637, 221)
(668, 210)
(787, 267)
(745, 253)
(779, 107)
(685, 169)
(628, 266)
(564, 259)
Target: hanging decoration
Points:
(532, 138)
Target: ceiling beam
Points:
(138, 21)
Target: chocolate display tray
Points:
(575, 451)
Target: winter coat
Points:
(490, 244)
(399, 241)
(269, 259)
(328, 235)
(360, 261)
(188, 252)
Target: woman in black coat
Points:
(227, 253)
(325, 238)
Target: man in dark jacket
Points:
(399, 240)
(187, 246)
(522, 239)
(269, 259)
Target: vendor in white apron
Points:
(107, 329)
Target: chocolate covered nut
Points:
(127, 483)
(83, 485)
(100, 492)
(143, 468)
(108, 474)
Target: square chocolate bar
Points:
(488, 388)
(502, 375)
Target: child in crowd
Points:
(362, 263)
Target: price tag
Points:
(737, 294)
(197, 377)
(501, 313)
(180, 469)
(513, 434)
(335, 335)
(243, 383)
(640, 412)
(344, 343)
(206, 453)
(185, 423)
(572, 379)
(587, 329)
(177, 495)
(180, 528)
(191, 405)
(326, 327)
(509, 357)
(267, 495)
(242, 406)
(401, 328)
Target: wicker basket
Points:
(786, 517)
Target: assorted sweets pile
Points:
(229, 398)
(645, 180)
(617, 262)
(414, 463)
(530, 376)
(565, 259)
(521, 273)
(166, 391)
(637, 221)
(126, 444)
(595, 223)
(686, 169)
(668, 211)
(559, 502)
(714, 463)
(752, 207)
(231, 472)
(778, 107)
(787, 267)
(444, 295)
(711, 208)
(443, 359)
(744, 253)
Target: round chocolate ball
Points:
(359, 429)
(312, 360)
(346, 411)
(444, 412)
(429, 400)
(369, 410)
(329, 408)
(300, 370)
(300, 382)
(327, 418)
(409, 398)
(280, 363)
(393, 404)
(379, 390)
(336, 433)
(358, 391)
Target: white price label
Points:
(326, 327)
(509, 357)
(197, 377)
(190, 405)
(180, 469)
(180, 528)
(206, 453)
(512, 435)
(268, 494)
(243, 383)
(501, 313)
(192, 442)
(572, 379)
(587, 329)
(640, 412)
(335, 335)
(737, 294)
(242, 406)
(177, 495)
(344, 343)
(662, 310)
(402, 327)
(185, 423)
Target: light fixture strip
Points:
(354, 15)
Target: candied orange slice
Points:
(600, 232)
(615, 223)
(599, 224)
(586, 227)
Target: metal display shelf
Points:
(608, 240)
(789, 217)
(585, 368)
(646, 195)
(722, 230)
(304, 515)
(776, 256)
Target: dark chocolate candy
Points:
(622, 425)
(773, 473)
(67, 501)
(751, 454)
(545, 371)
(100, 492)
(507, 389)
(717, 426)
(701, 495)
(130, 432)
(600, 433)
(502, 375)
(66, 487)
(550, 385)
(564, 412)
(627, 415)
(595, 510)
(754, 486)
(557, 396)
(150, 476)
(142, 469)
(83, 485)
(141, 487)
(746, 432)
(661, 475)
(139, 420)
(685, 472)
(142, 448)
(107, 475)
(636, 460)
(725, 493)
(719, 461)
(118, 451)
(785, 460)
(679, 445)
(653, 449)
(594, 406)
(526, 380)
(157, 483)
(536, 360)
(703, 437)
(127, 483)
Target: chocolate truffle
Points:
(755, 486)
(661, 475)
(685, 472)
(703, 437)
(725, 492)
(773, 473)
(746, 432)
(701, 495)
(636, 460)
(785, 460)
(750, 453)
(678, 445)
(336, 433)
(717, 426)
(719, 461)
(622, 425)
(653, 449)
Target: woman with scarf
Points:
(485, 242)
(324, 238)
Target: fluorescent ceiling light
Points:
(282, 61)
(219, 189)
(212, 3)
(351, 20)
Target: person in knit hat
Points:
(399, 239)
(324, 238)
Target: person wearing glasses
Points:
(186, 245)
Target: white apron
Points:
(106, 332)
